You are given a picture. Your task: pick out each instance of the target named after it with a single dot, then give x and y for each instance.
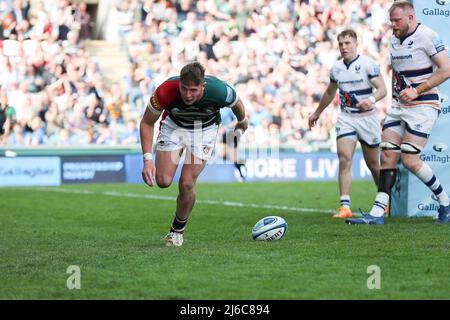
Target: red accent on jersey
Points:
(165, 94)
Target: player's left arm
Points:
(440, 75)
(380, 93)
(227, 97)
(376, 79)
(239, 111)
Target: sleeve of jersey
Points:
(154, 105)
(332, 78)
(373, 70)
(231, 97)
(434, 44)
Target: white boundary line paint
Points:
(169, 198)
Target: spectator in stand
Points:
(266, 49)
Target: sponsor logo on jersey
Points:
(351, 81)
(404, 57)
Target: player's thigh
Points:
(393, 127)
(166, 166)
(192, 167)
(371, 156)
(369, 134)
(169, 147)
(202, 144)
(346, 137)
(419, 125)
(414, 139)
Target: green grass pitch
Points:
(114, 232)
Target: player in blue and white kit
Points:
(356, 76)
(420, 63)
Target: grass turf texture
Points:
(117, 242)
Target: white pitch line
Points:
(169, 198)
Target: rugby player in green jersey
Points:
(189, 107)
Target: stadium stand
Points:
(67, 86)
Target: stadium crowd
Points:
(277, 54)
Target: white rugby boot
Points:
(174, 239)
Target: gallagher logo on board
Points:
(442, 2)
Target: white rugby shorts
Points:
(365, 129)
(417, 120)
(200, 142)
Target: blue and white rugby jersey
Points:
(353, 81)
(412, 64)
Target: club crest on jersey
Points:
(206, 149)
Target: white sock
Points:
(345, 201)
(426, 175)
(380, 204)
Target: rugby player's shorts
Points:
(200, 142)
(363, 128)
(418, 120)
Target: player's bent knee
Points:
(411, 162)
(410, 148)
(163, 181)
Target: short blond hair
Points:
(402, 4)
(348, 33)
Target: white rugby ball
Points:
(269, 229)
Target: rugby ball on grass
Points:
(269, 229)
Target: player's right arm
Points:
(326, 99)
(160, 99)
(147, 127)
(440, 75)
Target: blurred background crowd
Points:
(277, 54)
